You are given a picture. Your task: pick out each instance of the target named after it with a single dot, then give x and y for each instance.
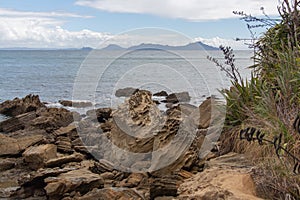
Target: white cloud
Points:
(43, 30)
(195, 10)
(14, 13)
(217, 41)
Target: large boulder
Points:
(20, 106)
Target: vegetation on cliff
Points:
(269, 103)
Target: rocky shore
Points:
(135, 151)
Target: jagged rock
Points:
(177, 97)
(172, 147)
(37, 156)
(101, 114)
(20, 106)
(81, 180)
(112, 194)
(17, 123)
(13, 146)
(52, 118)
(138, 118)
(161, 94)
(64, 144)
(126, 92)
(57, 162)
(77, 104)
(164, 186)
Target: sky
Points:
(95, 23)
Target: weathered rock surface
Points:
(226, 177)
(126, 92)
(133, 152)
(20, 106)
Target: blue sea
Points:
(96, 75)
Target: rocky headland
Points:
(135, 151)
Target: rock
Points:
(76, 104)
(20, 106)
(13, 146)
(101, 114)
(177, 97)
(112, 194)
(57, 162)
(164, 186)
(6, 164)
(102, 166)
(133, 180)
(161, 94)
(81, 180)
(126, 92)
(134, 124)
(17, 123)
(173, 147)
(226, 177)
(51, 119)
(64, 144)
(66, 131)
(37, 156)
(203, 116)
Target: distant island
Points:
(191, 46)
(144, 46)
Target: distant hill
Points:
(113, 47)
(192, 46)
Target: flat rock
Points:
(57, 162)
(112, 194)
(126, 92)
(13, 146)
(81, 180)
(226, 177)
(101, 114)
(76, 104)
(37, 156)
(164, 186)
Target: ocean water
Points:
(96, 75)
